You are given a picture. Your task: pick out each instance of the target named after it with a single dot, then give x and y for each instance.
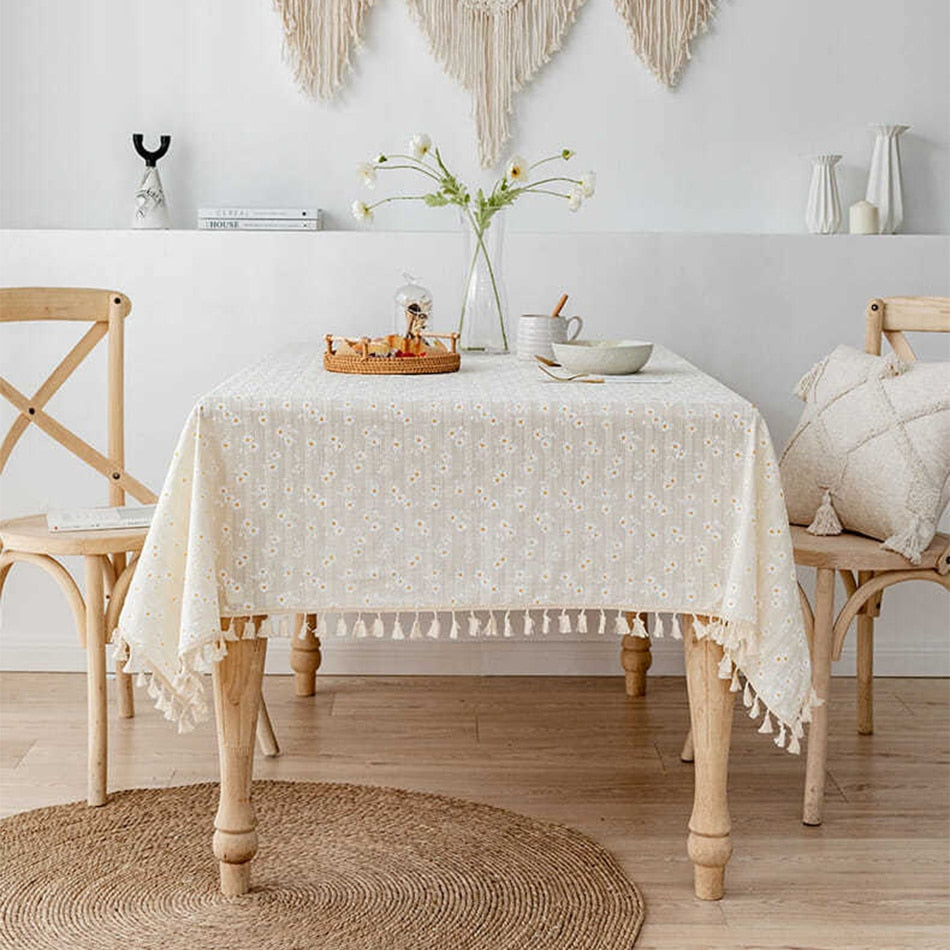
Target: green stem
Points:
(385, 201)
(481, 248)
(413, 168)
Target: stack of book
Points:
(260, 219)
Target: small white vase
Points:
(823, 215)
(884, 179)
(151, 211)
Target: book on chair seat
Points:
(100, 519)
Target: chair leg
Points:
(821, 682)
(266, 737)
(687, 754)
(865, 665)
(97, 718)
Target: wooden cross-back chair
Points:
(866, 569)
(106, 553)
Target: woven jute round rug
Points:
(340, 867)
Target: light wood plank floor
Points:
(575, 750)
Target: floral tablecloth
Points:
(490, 502)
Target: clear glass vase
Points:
(482, 325)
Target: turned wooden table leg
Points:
(97, 723)
(710, 709)
(305, 656)
(237, 699)
(636, 659)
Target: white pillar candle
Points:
(863, 218)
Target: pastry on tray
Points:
(414, 352)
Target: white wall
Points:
(772, 82)
(754, 311)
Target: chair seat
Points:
(32, 536)
(856, 552)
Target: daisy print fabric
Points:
(492, 501)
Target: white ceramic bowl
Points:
(603, 357)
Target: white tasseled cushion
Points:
(875, 434)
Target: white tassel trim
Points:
(564, 622)
(181, 698)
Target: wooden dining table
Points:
(491, 502)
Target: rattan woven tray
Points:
(365, 364)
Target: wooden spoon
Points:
(556, 312)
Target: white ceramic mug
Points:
(537, 331)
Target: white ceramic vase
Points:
(884, 179)
(823, 215)
(151, 211)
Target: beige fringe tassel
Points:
(493, 47)
(318, 37)
(661, 31)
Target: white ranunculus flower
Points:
(361, 211)
(588, 183)
(367, 173)
(419, 146)
(517, 169)
(575, 198)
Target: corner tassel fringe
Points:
(359, 629)
(639, 627)
(545, 623)
(415, 631)
(435, 628)
(621, 625)
(472, 624)
(379, 631)
(509, 632)
(658, 627)
(528, 623)
(454, 629)
(492, 629)
(397, 630)
(564, 622)
(582, 622)
(826, 518)
(341, 630)
(602, 626)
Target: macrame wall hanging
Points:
(491, 47)
(661, 31)
(318, 38)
